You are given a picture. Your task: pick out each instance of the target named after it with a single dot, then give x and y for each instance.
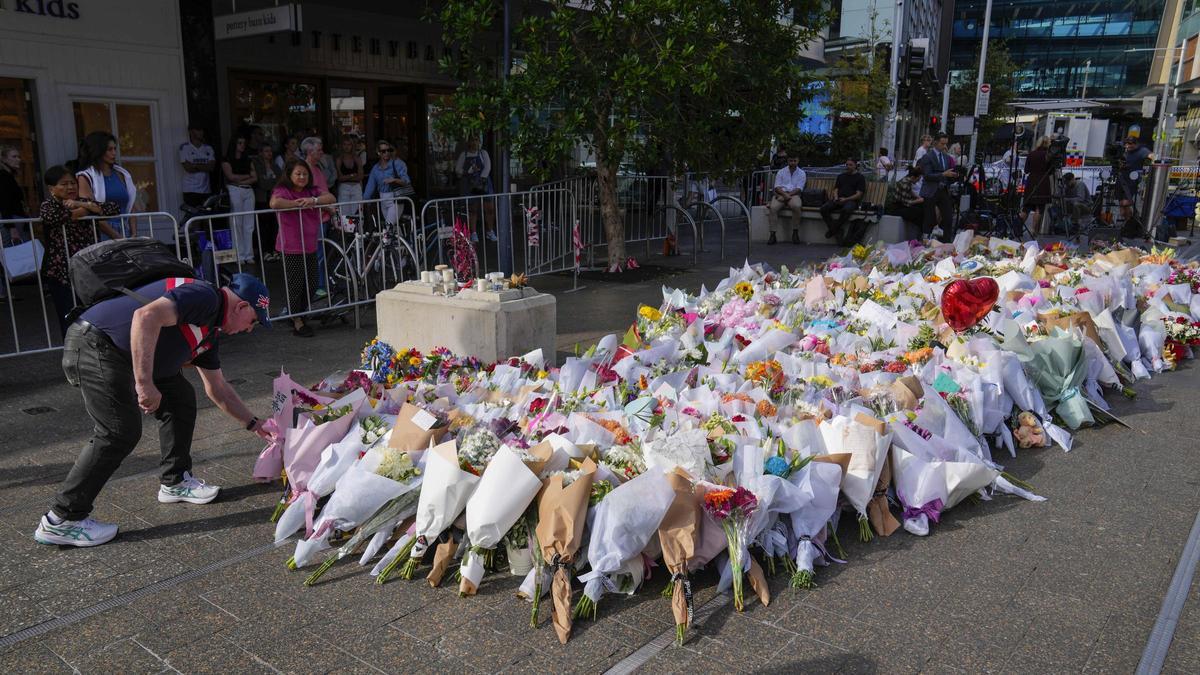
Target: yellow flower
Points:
(414, 361)
(649, 313)
(744, 290)
(859, 252)
(821, 380)
(542, 375)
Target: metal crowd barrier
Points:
(34, 316)
(363, 247)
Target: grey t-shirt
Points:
(1135, 162)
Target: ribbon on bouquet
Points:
(820, 549)
(560, 592)
(270, 461)
(931, 509)
(685, 584)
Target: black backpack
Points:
(113, 267)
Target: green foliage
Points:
(668, 83)
(999, 74)
(858, 83)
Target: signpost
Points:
(257, 22)
(982, 98)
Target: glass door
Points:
(399, 122)
(17, 130)
(132, 124)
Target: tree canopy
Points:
(704, 84)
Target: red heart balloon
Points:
(965, 303)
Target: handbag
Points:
(812, 197)
(23, 260)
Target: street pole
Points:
(1087, 67)
(945, 103)
(1160, 133)
(504, 217)
(987, 26)
(889, 129)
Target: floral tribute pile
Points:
(731, 428)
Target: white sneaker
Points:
(191, 490)
(86, 532)
(491, 236)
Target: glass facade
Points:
(1054, 42)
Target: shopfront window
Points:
(441, 147)
(133, 126)
(347, 113)
(16, 129)
(281, 108)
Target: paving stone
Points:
(214, 656)
(31, 660)
(125, 656)
(76, 641)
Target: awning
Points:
(1058, 104)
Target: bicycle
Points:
(360, 264)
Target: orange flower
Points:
(766, 409)
(738, 396)
(919, 355)
(717, 499)
(621, 436)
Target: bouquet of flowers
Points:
(562, 515)
(678, 535)
(733, 509)
(818, 483)
(444, 494)
(506, 488)
(624, 523)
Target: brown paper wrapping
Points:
(543, 452)
(907, 392)
(408, 437)
(1081, 320)
(562, 514)
(840, 458)
(758, 582)
(677, 535)
(882, 520)
(870, 422)
(1125, 256)
(443, 555)
(466, 588)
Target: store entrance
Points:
(400, 122)
(16, 130)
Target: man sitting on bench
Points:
(848, 191)
(789, 182)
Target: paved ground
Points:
(1071, 584)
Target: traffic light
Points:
(914, 65)
(935, 122)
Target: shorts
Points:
(1127, 189)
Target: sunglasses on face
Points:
(385, 151)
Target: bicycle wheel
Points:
(343, 279)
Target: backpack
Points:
(813, 197)
(855, 231)
(113, 267)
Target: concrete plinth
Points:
(889, 229)
(490, 326)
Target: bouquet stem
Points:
(803, 579)
(1016, 481)
(789, 566)
(680, 633)
(291, 563)
(584, 608)
(409, 569)
(836, 543)
(739, 593)
(404, 555)
(864, 529)
(282, 504)
(320, 571)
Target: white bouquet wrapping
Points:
(503, 494)
(818, 484)
(625, 522)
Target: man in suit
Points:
(938, 170)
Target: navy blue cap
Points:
(249, 288)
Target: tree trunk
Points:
(610, 213)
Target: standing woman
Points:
(239, 181)
(266, 175)
(299, 229)
(64, 234)
(349, 177)
(101, 179)
(388, 180)
(12, 204)
(1037, 183)
(289, 151)
(474, 169)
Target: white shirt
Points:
(790, 180)
(883, 166)
(196, 182)
(920, 153)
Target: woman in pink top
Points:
(299, 234)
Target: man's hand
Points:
(950, 173)
(149, 397)
(262, 433)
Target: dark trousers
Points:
(940, 201)
(105, 378)
(64, 301)
(844, 211)
(195, 199)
